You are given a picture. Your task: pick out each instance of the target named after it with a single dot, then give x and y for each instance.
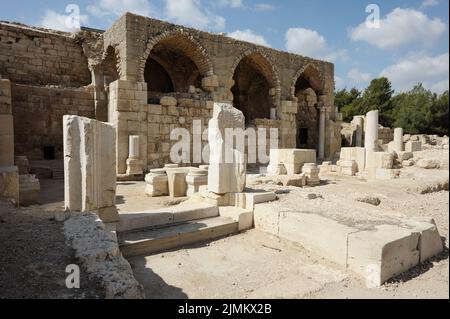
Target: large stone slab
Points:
(90, 166)
(382, 253)
(293, 159)
(375, 249)
(227, 174)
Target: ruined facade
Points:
(148, 77)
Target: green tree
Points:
(344, 100)
(413, 110)
(378, 96)
(440, 113)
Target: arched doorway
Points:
(307, 89)
(253, 81)
(174, 64)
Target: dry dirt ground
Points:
(34, 257)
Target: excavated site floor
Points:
(255, 264)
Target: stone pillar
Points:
(134, 164)
(128, 112)
(398, 140)
(9, 174)
(322, 119)
(359, 123)
(90, 167)
(225, 175)
(371, 132)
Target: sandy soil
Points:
(34, 257)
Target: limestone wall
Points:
(38, 116)
(386, 134)
(38, 57)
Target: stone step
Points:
(244, 217)
(166, 216)
(160, 239)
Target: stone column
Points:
(90, 167)
(9, 174)
(371, 132)
(322, 119)
(359, 122)
(398, 140)
(225, 176)
(134, 164)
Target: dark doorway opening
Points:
(303, 137)
(49, 153)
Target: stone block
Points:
(311, 170)
(297, 180)
(29, 190)
(89, 164)
(413, 146)
(253, 199)
(195, 179)
(293, 159)
(276, 169)
(9, 183)
(380, 160)
(157, 183)
(348, 168)
(316, 233)
(382, 253)
(357, 154)
(404, 156)
(242, 216)
(177, 183)
(227, 167)
(168, 101)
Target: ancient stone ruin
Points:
(94, 113)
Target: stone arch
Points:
(254, 84)
(184, 42)
(307, 86)
(313, 74)
(114, 53)
(265, 63)
(111, 66)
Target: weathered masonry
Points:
(148, 77)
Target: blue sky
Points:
(409, 46)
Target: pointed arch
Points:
(184, 42)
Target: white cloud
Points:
(119, 7)
(341, 54)
(62, 22)
(433, 72)
(355, 76)
(193, 13)
(312, 44)
(305, 42)
(400, 27)
(249, 36)
(429, 3)
(264, 7)
(231, 3)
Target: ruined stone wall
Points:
(36, 57)
(385, 134)
(38, 116)
(217, 57)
